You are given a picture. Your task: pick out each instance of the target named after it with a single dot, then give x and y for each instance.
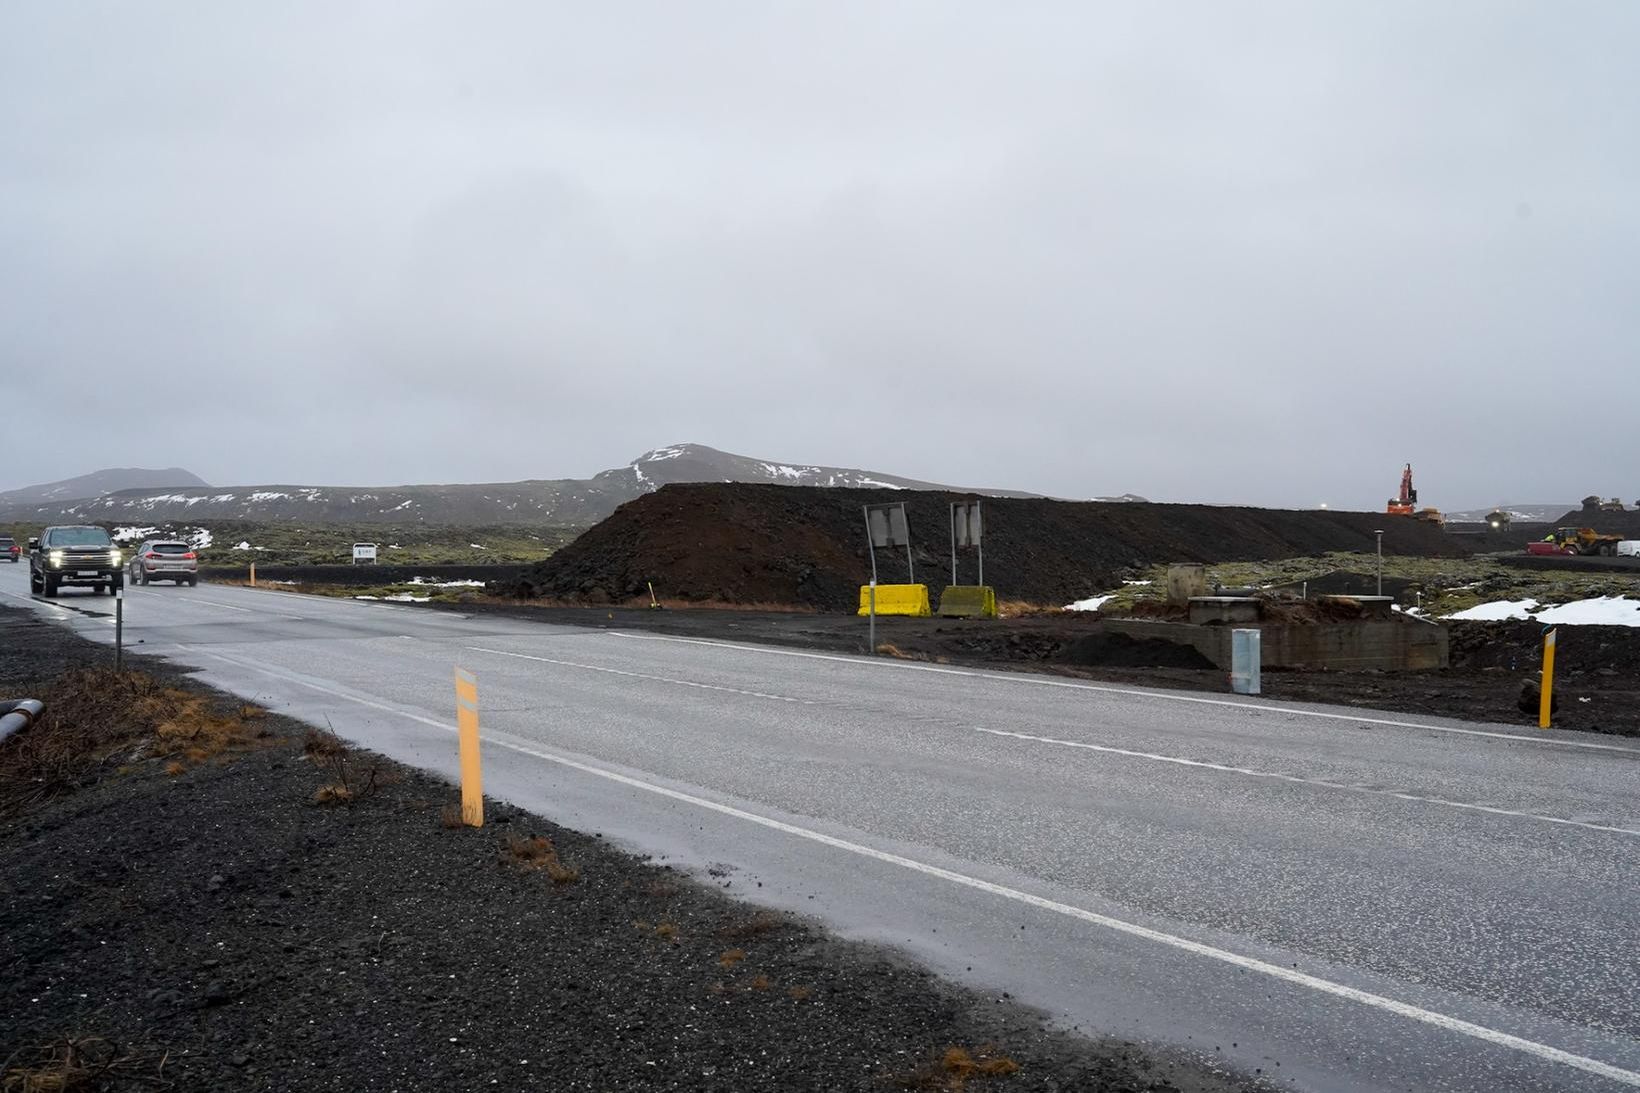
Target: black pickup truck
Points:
(83, 556)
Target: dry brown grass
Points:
(538, 853)
(731, 957)
(1021, 609)
(450, 817)
(350, 778)
(80, 1065)
(98, 721)
(764, 922)
(667, 931)
(760, 982)
(888, 650)
(954, 1069)
(799, 994)
(333, 793)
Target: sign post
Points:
(1545, 707)
(364, 552)
(886, 526)
(119, 625)
(871, 646)
(472, 773)
(966, 532)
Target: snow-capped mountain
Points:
(565, 501)
(1518, 513)
(100, 482)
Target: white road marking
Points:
(641, 675)
(1250, 772)
(1157, 757)
(1291, 976)
(213, 603)
(1042, 681)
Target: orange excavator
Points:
(1407, 503)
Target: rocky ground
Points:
(197, 895)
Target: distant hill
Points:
(97, 483)
(558, 501)
(1519, 513)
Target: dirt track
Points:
(214, 928)
(750, 544)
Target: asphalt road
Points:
(1336, 899)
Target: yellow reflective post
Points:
(253, 574)
(472, 778)
(1547, 690)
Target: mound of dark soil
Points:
(739, 543)
(1610, 651)
(1109, 650)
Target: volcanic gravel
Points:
(746, 544)
(217, 929)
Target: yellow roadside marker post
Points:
(472, 778)
(1547, 689)
(253, 574)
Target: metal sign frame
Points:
(966, 530)
(887, 526)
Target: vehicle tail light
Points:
(190, 556)
(151, 556)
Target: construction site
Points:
(1400, 609)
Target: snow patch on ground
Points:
(268, 495)
(478, 546)
(397, 597)
(1092, 603)
(123, 535)
(1601, 611)
(1497, 611)
(445, 584)
(199, 539)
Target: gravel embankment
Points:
(193, 919)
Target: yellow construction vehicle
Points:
(1585, 541)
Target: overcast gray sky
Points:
(1221, 251)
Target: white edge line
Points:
(1107, 749)
(1133, 929)
(1039, 681)
(1249, 772)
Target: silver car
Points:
(164, 560)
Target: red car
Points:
(9, 550)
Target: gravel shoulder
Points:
(199, 920)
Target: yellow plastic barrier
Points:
(897, 599)
(968, 601)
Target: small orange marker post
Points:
(253, 574)
(1547, 689)
(472, 776)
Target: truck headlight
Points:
(56, 558)
(114, 556)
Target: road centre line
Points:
(1042, 681)
(1155, 757)
(1317, 782)
(641, 675)
(1290, 976)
